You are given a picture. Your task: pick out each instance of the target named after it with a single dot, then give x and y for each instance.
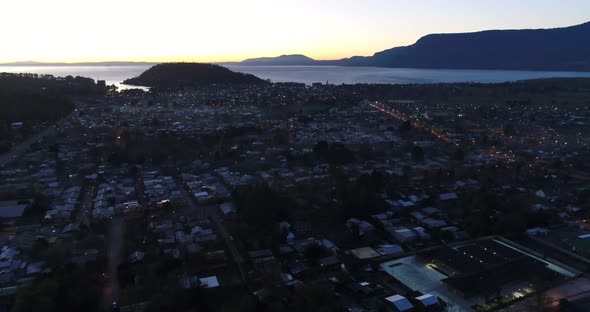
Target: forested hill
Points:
(41, 97)
(559, 49)
(175, 75)
(555, 49)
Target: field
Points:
(581, 245)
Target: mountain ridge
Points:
(543, 49)
(553, 49)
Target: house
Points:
(209, 282)
(447, 196)
(332, 263)
(403, 235)
(136, 256)
(365, 253)
(202, 196)
(71, 228)
(427, 300)
(421, 232)
(262, 255)
(363, 227)
(12, 209)
(400, 303)
(434, 223)
(538, 231)
(329, 245)
(227, 208)
(389, 250)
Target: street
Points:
(111, 291)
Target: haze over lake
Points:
(351, 75)
(310, 74)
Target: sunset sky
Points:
(232, 30)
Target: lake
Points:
(310, 74)
(351, 75)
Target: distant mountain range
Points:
(284, 60)
(175, 75)
(558, 49)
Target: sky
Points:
(233, 30)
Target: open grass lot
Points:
(581, 245)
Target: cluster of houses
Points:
(160, 190)
(205, 188)
(118, 196)
(64, 206)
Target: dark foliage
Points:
(260, 208)
(68, 289)
(41, 97)
(335, 153)
(178, 75)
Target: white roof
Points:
(227, 208)
(400, 302)
(389, 249)
(202, 194)
(12, 211)
(427, 300)
(209, 282)
(447, 196)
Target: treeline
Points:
(41, 97)
(555, 87)
(21, 106)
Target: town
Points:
(293, 197)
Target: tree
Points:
(67, 289)
(39, 298)
(459, 155)
(40, 204)
(417, 153)
(406, 126)
(260, 208)
(508, 130)
(313, 253)
(321, 149)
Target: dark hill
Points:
(172, 75)
(566, 49)
(295, 59)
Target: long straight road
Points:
(84, 212)
(231, 246)
(111, 291)
(210, 211)
(22, 147)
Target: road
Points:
(572, 290)
(22, 147)
(492, 152)
(86, 204)
(193, 208)
(402, 117)
(231, 246)
(112, 288)
(209, 211)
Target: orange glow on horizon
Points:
(234, 30)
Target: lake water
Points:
(350, 75)
(310, 74)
